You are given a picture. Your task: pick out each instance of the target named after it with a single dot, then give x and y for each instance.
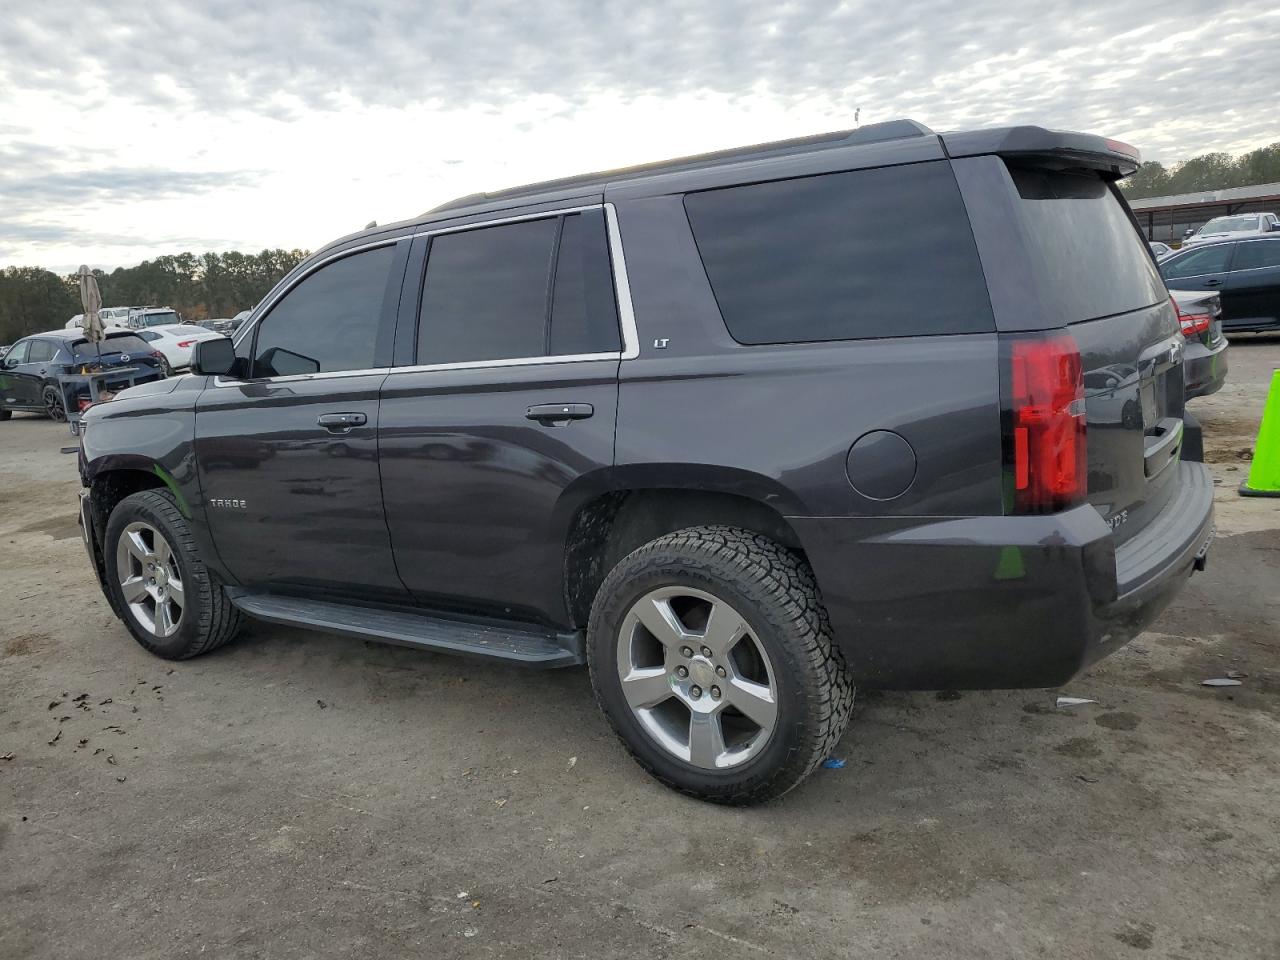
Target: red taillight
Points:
(185, 343)
(1192, 323)
(1047, 445)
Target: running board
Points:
(518, 643)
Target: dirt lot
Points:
(296, 795)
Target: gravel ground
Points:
(298, 795)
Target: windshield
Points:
(159, 319)
(1229, 225)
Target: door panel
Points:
(478, 495)
(1251, 296)
(1201, 268)
(288, 459)
(289, 501)
(19, 387)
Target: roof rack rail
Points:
(859, 136)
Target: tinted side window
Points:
(18, 354)
(485, 293)
(41, 351)
(1207, 260)
(584, 314)
(327, 322)
(1259, 253)
(868, 253)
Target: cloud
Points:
(1122, 62)
(287, 123)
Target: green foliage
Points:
(1211, 171)
(197, 286)
(32, 299)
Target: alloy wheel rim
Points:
(696, 677)
(150, 580)
(53, 406)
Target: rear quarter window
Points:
(886, 252)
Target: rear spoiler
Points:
(1055, 149)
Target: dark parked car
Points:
(737, 431)
(29, 371)
(1204, 359)
(1245, 272)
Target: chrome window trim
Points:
(622, 290)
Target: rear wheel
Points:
(159, 585)
(165, 368)
(712, 657)
(53, 406)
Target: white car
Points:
(175, 342)
(110, 317)
(1237, 227)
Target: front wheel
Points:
(712, 657)
(159, 585)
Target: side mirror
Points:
(1188, 233)
(213, 357)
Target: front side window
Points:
(18, 354)
(868, 253)
(1198, 262)
(533, 288)
(1259, 253)
(329, 321)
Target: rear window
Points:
(84, 350)
(843, 256)
(1088, 257)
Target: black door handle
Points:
(557, 414)
(341, 422)
(1213, 283)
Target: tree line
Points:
(198, 286)
(1211, 171)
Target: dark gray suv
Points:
(737, 431)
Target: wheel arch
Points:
(611, 525)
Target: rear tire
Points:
(159, 586)
(5, 415)
(53, 406)
(765, 690)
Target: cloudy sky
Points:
(131, 128)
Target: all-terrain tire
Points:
(774, 589)
(209, 618)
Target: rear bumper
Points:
(1001, 602)
(1204, 369)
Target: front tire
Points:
(159, 586)
(712, 657)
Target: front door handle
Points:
(341, 422)
(558, 414)
(1213, 283)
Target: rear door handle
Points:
(557, 414)
(1213, 283)
(341, 422)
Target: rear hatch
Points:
(119, 350)
(1063, 253)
